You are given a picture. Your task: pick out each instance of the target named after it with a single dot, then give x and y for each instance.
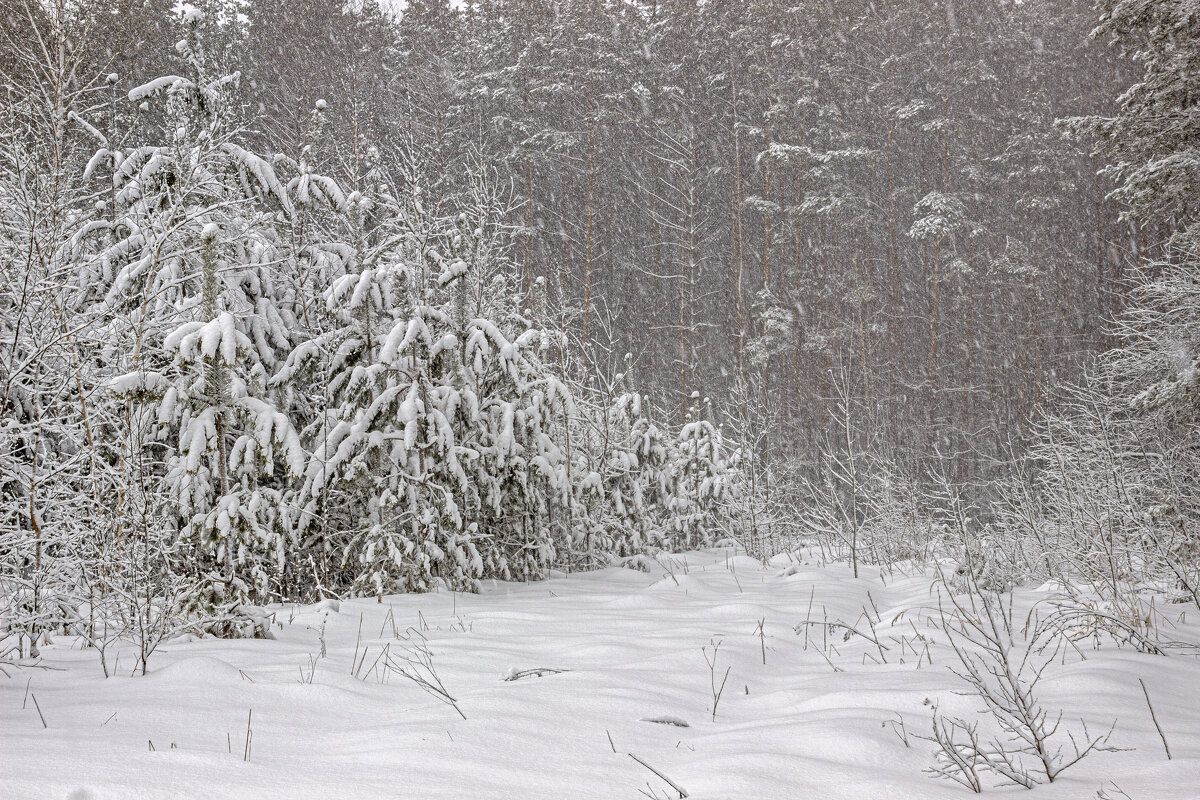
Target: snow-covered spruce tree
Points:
(701, 480)
(198, 324)
(1150, 141)
(436, 462)
(625, 495)
(234, 446)
(319, 241)
(368, 489)
(523, 477)
(1155, 143)
(1153, 146)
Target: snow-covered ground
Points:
(635, 680)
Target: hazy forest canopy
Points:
(738, 191)
(303, 299)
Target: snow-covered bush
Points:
(627, 491)
(701, 480)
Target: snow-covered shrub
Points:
(701, 480)
(54, 480)
(1111, 505)
(627, 490)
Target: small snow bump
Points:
(328, 604)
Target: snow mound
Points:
(743, 563)
(329, 604)
(670, 582)
(198, 671)
(640, 562)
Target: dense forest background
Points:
(870, 272)
(747, 197)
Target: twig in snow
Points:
(711, 660)
(825, 656)
(249, 736)
(667, 720)
(898, 728)
(535, 672)
(671, 783)
(312, 669)
(391, 616)
(356, 669)
(1103, 794)
(850, 629)
(321, 633)
(39, 710)
(1154, 717)
(382, 654)
(874, 608)
(811, 593)
(416, 664)
(357, 644)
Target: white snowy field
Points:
(631, 647)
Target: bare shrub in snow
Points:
(414, 662)
(1031, 746)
